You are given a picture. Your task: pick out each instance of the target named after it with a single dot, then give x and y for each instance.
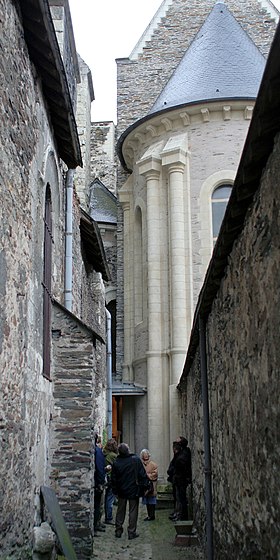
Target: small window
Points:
(220, 198)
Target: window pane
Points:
(218, 211)
(222, 192)
(220, 199)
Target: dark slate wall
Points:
(243, 361)
(72, 425)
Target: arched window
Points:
(220, 198)
(47, 284)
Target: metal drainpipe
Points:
(68, 240)
(109, 374)
(206, 430)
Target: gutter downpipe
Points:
(109, 373)
(68, 295)
(206, 431)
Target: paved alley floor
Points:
(155, 542)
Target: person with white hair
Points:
(150, 498)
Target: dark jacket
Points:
(171, 470)
(125, 471)
(183, 468)
(110, 457)
(99, 473)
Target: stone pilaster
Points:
(151, 169)
(124, 198)
(174, 159)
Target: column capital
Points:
(149, 166)
(125, 198)
(175, 159)
(125, 205)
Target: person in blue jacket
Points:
(99, 483)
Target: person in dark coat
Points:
(170, 478)
(182, 476)
(128, 473)
(99, 483)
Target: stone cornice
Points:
(160, 127)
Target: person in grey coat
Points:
(128, 477)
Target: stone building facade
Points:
(184, 108)
(234, 352)
(52, 273)
(103, 155)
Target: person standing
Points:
(110, 454)
(99, 482)
(182, 476)
(170, 474)
(150, 499)
(128, 474)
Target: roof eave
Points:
(45, 54)
(93, 244)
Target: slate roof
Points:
(93, 245)
(103, 203)
(222, 62)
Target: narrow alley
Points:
(156, 541)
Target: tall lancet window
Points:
(220, 198)
(47, 285)
(138, 267)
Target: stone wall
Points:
(243, 367)
(23, 140)
(85, 95)
(30, 162)
(103, 159)
(72, 426)
(140, 79)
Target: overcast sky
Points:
(105, 30)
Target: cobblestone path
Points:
(155, 542)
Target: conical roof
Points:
(222, 62)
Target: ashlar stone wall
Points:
(140, 79)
